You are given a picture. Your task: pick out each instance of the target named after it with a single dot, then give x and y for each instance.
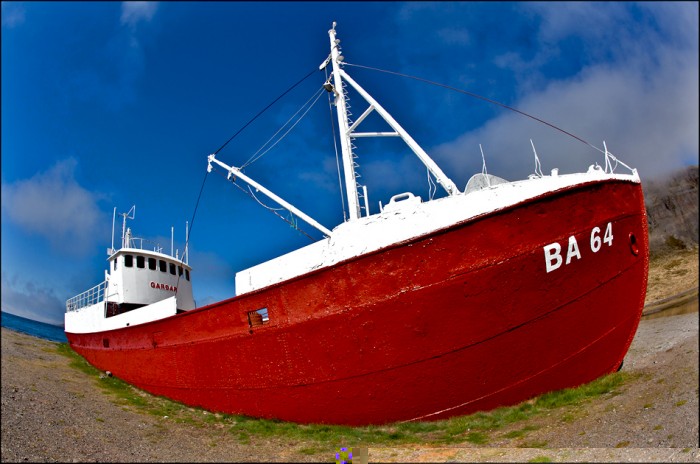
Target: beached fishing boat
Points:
(429, 308)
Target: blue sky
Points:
(108, 104)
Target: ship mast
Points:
(345, 142)
(348, 132)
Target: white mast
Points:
(440, 176)
(346, 136)
(114, 218)
(348, 132)
(348, 162)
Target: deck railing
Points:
(87, 298)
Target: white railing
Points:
(87, 298)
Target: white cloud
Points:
(583, 19)
(116, 84)
(649, 122)
(54, 206)
(638, 92)
(135, 12)
(31, 302)
(12, 14)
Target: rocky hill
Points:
(672, 209)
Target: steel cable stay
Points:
(265, 109)
(608, 155)
(337, 157)
(257, 155)
(189, 229)
(201, 190)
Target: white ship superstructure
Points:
(140, 286)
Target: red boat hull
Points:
(463, 319)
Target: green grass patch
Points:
(540, 459)
(477, 438)
(599, 387)
(533, 444)
(515, 434)
(475, 428)
(521, 432)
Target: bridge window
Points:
(114, 264)
(140, 262)
(162, 266)
(179, 270)
(152, 264)
(172, 268)
(128, 261)
(187, 274)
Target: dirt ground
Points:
(53, 413)
(672, 274)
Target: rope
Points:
(261, 203)
(247, 192)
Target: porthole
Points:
(633, 245)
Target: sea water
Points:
(55, 333)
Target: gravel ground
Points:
(52, 412)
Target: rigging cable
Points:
(265, 109)
(255, 156)
(274, 210)
(201, 189)
(337, 159)
(480, 97)
(189, 232)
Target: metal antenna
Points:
(483, 167)
(538, 166)
(131, 214)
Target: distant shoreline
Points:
(3, 313)
(43, 330)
